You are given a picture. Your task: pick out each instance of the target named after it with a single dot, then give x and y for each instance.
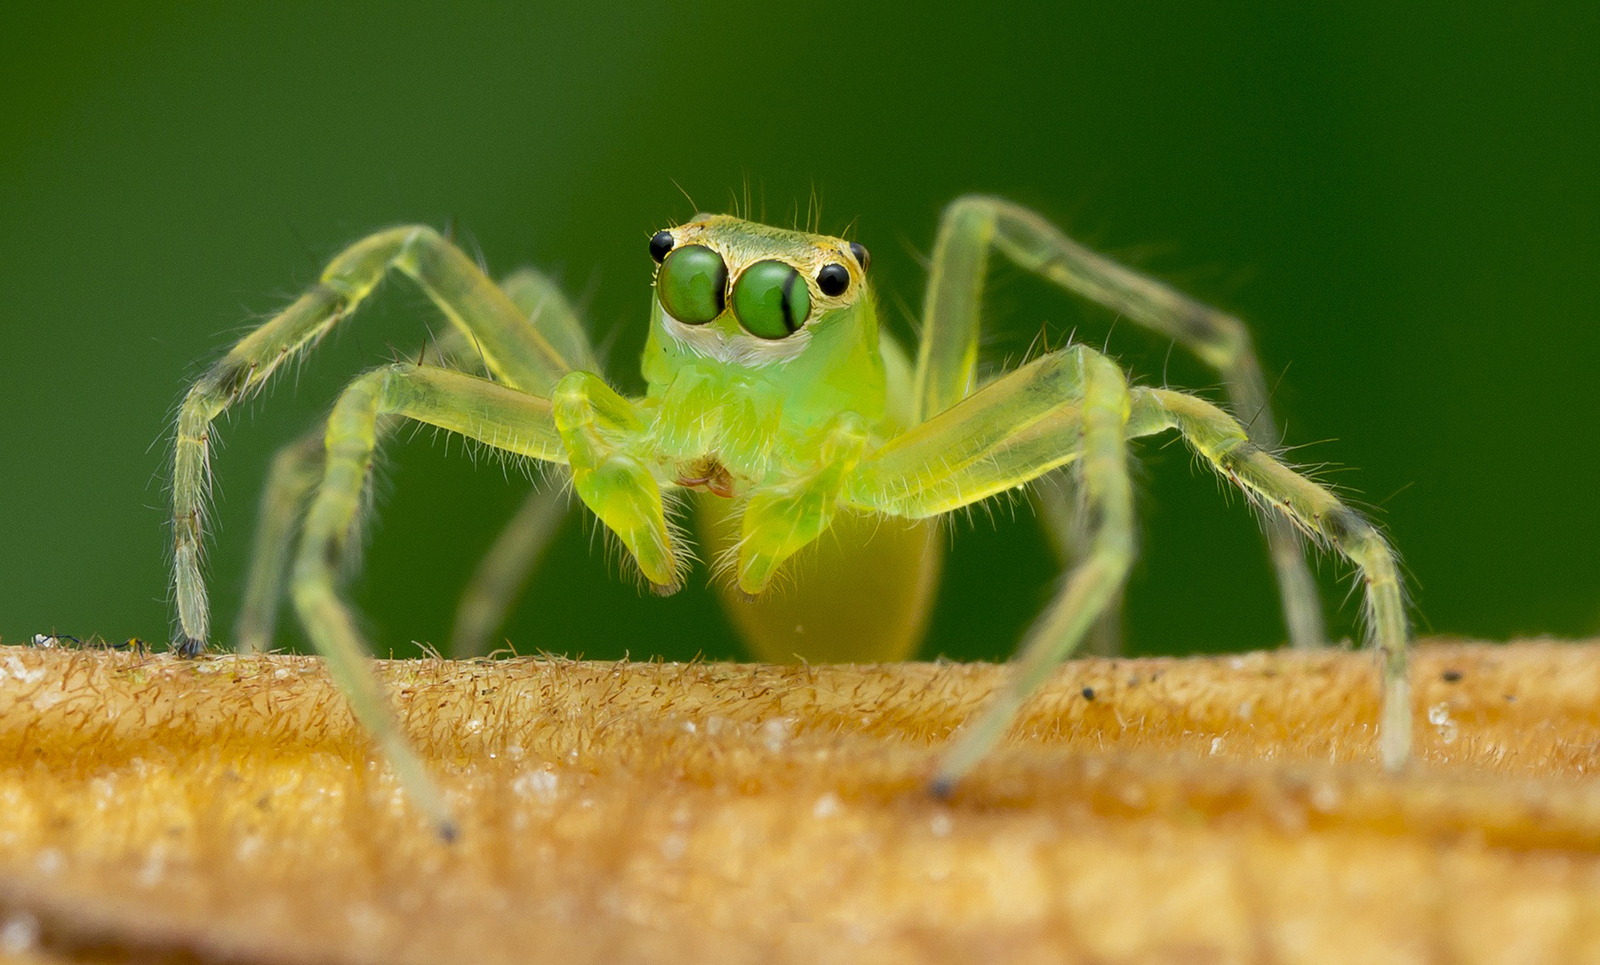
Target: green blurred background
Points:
(1401, 199)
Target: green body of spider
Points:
(773, 395)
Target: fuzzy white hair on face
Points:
(746, 350)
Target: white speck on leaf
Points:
(540, 785)
(775, 733)
(20, 934)
(1439, 717)
(18, 671)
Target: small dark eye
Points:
(661, 243)
(863, 256)
(833, 279)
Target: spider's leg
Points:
(1068, 405)
(947, 358)
(496, 415)
(542, 302)
(504, 570)
(780, 519)
(494, 586)
(293, 475)
(1058, 501)
(1224, 443)
(498, 579)
(513, 350)
(602, 432)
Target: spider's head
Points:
(754, 296)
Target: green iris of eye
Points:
(771, 300)
(692, 283)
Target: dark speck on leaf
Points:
(1450, 676)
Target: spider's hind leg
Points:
(494, 586)
(292, 477)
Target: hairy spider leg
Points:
(513, 351)
(1062, 407)
(1224, 444)
(496, 415)
(291, 477)
(947, 359)
(494, 585)
(1059, 500)
(500, 576)
(1098, 391)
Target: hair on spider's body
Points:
(784, 420)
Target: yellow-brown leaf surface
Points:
(1202, 810)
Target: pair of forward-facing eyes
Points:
(770, 299)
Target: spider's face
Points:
(745, 293)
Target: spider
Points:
(775, 397)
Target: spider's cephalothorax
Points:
(759, 339)
(776, 403)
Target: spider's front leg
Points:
(947, 359)
(493, 414)
(599, 427)
(1067, 406)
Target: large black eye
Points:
(863, 256)
(661, 243)
(833, 280)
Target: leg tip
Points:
(665, 589)
(942, 787)
(448, 831)
(188, 647)
(1395, 754)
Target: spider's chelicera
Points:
(777, 402)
